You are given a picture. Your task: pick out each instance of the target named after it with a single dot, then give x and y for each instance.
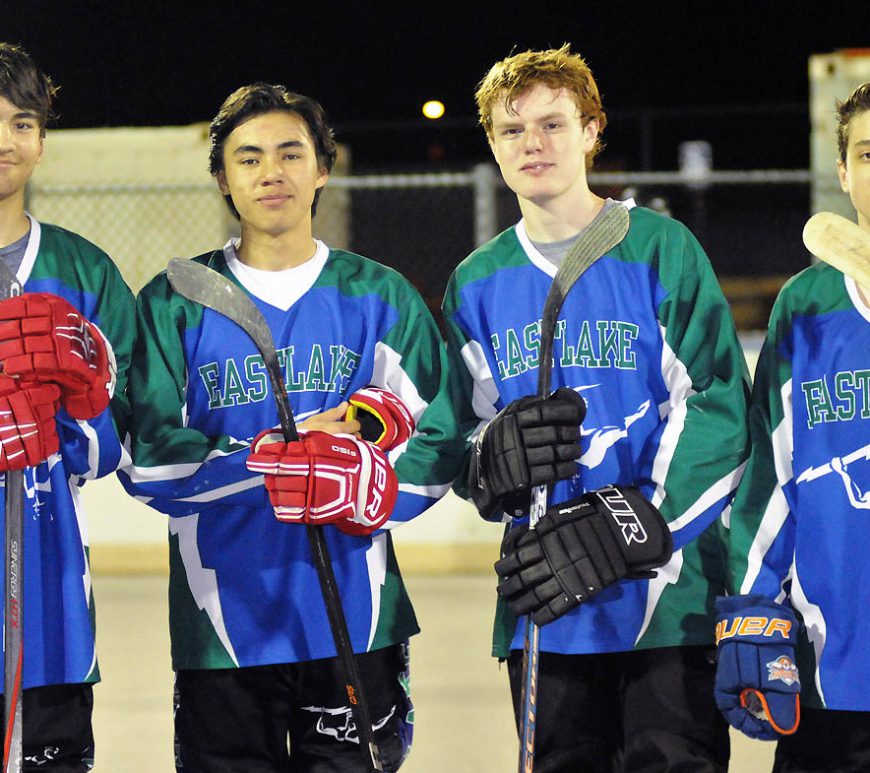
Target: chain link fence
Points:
(749, 222)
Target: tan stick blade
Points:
(840, 243)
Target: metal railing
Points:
(424, 224)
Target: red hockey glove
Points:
(385, 419)
(28, 434)
(43, 337)
(323, 478)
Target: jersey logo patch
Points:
(782, 670)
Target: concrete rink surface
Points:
(464, 723)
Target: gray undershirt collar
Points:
(13, 254)
(555, 252)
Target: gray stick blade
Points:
(202, 285)
(208, 288)
(602, 235)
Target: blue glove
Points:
(757, 686)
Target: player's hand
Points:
(757, 686)
(323, 478)
(333, 421)
(533, 441)
(28, 434)
(43, 338)
(578, 549)
(384, 419)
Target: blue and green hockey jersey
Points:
(646, 338)
(58, 612)
(243, 590)
(800, 524)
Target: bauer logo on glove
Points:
(579, 548)
(757, 684)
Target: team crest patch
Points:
(783, 670)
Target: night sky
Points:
(372, 65)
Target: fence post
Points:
(485, 209)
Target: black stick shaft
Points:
(603, 234)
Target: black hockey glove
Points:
(530, 442)
(578, 548)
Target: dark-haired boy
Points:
(251, 645)
(799, 536)
(61, 344)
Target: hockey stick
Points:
(840, 243)
(202, 285)
(602, 235)
(13, 615)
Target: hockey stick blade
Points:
(197, 283)
(207, 287)
(13, 617)
(840, 243)
(600, 236)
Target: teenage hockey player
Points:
(59, 346)
(799, 537)
(251, 645)
(646, 339)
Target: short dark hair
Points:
(24, 85)
(260, 98)
(857, 102)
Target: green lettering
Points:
(818, 402)
(209, 375)
(608, 343)
(336, 355)
(532, 340)
(627, 334)
(496, 345)
(292, 380)
(862, 384)
(515, 360)
(585, 356)
(843, 384)
(569, 353)
(255, 371)
(316, 380)
(234, 392)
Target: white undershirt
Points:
(855, 295)
(278, 288)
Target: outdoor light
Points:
(433, 109)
